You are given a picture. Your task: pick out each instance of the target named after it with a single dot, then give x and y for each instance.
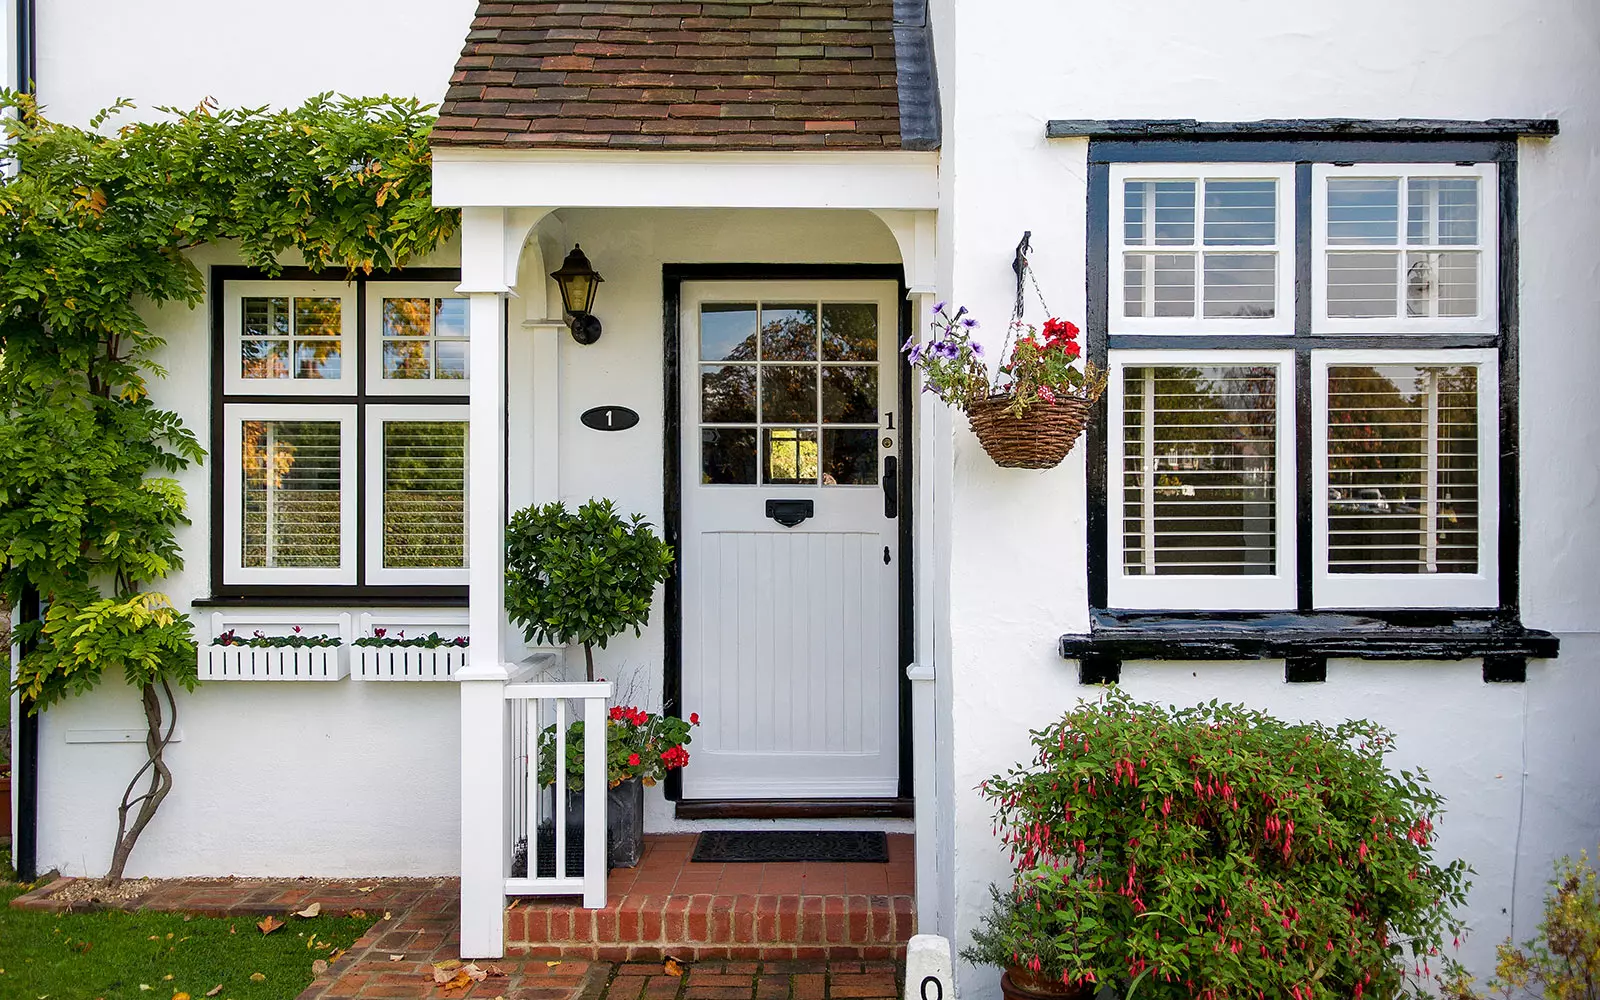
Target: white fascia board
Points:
(617, 179)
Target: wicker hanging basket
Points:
(1039, 439)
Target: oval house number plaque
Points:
(609, 418)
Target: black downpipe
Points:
(25, 744)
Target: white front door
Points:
(789, 566)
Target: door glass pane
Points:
(1241, 285)
(291, 493)
(849, 394)
(789, 455)
(728, 331)
(727, 455)
(424, 494)
(1363, 285)
(789, 394)
(1200, 471)
(850, 331)
(1442, 283)
(1363, 210)
(849, 457)
(1241, 213)
(788, 332)
(1441, 211)
(1402, 469)
(728, 394)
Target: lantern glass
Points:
(577, 292)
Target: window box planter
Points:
(248, 663)
(408, 663)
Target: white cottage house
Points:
(1270, 195)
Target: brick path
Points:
(420, 925)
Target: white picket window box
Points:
(408, 663)
(276, 663)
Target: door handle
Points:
(891, 487)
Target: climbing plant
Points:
(96, 223)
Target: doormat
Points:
(734, 846)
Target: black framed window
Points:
(339, 435)
(1312, 406)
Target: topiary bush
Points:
(581, 576)
(1218, 852)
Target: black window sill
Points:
(1306, 639)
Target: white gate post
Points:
(485, 853)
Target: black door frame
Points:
(672, 278)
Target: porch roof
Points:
(642, 74)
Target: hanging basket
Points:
(1039, 439)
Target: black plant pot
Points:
(624, 834)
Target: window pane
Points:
(1362, 285)
(1402, 469)
(291, 494)
(728, 394)
(266, 317)
(407, 359)
(424, 494)
(316, 359)
(450, 318)
(1363, 210)
(849, 331)
(789, 394)
(264, 358)
(849, 457)
(789, 455)
(317, 317)
(850, 394)
(1158, 213)
(1200, 471)
(1442, 284)
(406, 317)
(728, 332)
(788, 333)
(1241, 285)
(1241, 213)
(727, 455)
(1158, 284)
(1441, 211)
(450, 359)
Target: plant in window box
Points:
(1218, 852)
(399, 657)
(641, 747)
(297, 656)
(1031, 412)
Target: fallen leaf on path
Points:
(397, 958)
(551, 965)
(311, 911)
(319, 967)
(359, 914)
(181, 996)
(268, 924)
(474, 973)
(365, 888)
(213, 991)
(674, 966)
(258, 977)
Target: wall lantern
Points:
(579, 282)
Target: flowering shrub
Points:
(639, 744)
(260, 640)
(433, 640)
(1216, 852)
(1563, 962)
(1042, 366)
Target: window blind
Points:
(1200, 470)
(291, 493)
(424, 494)
(1403, 473)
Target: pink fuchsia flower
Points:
(1047, 394)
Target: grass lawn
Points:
(158, 956)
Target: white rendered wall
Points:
(178, 52)
(1018, 574)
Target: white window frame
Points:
(234, 571)
(233, 381)
(1410, 590)
(377, 385)
(377, 414)
(1283, 249)
(1487, 248)
(1275, 592)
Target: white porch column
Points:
(546, 334)
(485, 858)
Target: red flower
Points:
(694, 718)
(633, 760)
(616, 713)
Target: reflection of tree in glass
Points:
(788, 333)
(850, 331)
(264, 359)
(727, 455)
(406, 317)
(317, 358)
(405, 359)
(291, 493)
(791, 455)
(728, 394)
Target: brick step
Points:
(704, 926)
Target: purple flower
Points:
(977, 349)
(970, 323)
(915, 354)
(911, 342)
